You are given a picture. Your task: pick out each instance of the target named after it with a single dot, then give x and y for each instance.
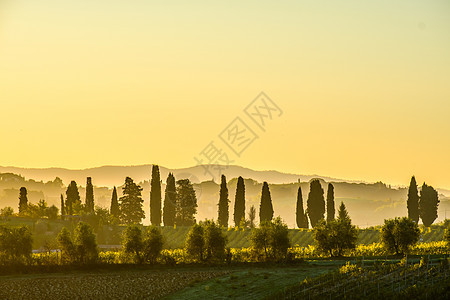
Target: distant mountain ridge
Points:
(115, 175)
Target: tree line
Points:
(180, 204)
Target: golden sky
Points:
(364, 86)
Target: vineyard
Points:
(425, 280)
(240, 238)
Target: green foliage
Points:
(155, 197)
(80, 246)
(186, 207)
(144, 247)
(132, 242)
(6, 212)
(215, 241)
(195, 242)
(447, 234)
(413, 201)
(223, 213)
(73, 201)
(330, 202)
(15, 244)
(85, 243)
(301, 218)
(428, 204)
(239, 203)
(170, 199)
(271, 239)
(316, 203)
(265, 208)
(399, 234)
(152, 244)
(131, 203)
(336, 236)
(23, 200)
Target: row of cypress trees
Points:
(423, 206)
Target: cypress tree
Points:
(23, 200)
(316, 202)
(89, 196)
(115, 209)
(155, 197)
(330, 203)
(301, 218)
(343, 214)
(131, 203)
(223, 203)
(265, 208)
(413, 201)
(428, 205)
(239, 202)
(73, 202)
(170, 198)
(63, 210)
(186, 204)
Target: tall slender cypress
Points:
(115, 209)
(330, 203)
(265, 207)
(155, 197)
(316, 202)
(413, 201)
(63, 209)
(23, 200)
(301, 218)
(89, 195)
(170, 199)
(239, 202)
(223, 203)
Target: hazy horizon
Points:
(362, 88)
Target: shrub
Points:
(132, 242)
(215, 241)
(15, 243)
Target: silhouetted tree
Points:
(215, 241)
(265, 208)
(186, 207)
(23, 200)
(330, 202)
(316, 202)
(63, 210)
(114, 209)
(239, 202)
(428, 204)
(170, 199)
(301, 218)
(155, 197)
(413, 201)
(73, 201)
(398, 234)
(131, 203)
(82, 248)
(223, 213)
(252, 216)
(89, 196)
